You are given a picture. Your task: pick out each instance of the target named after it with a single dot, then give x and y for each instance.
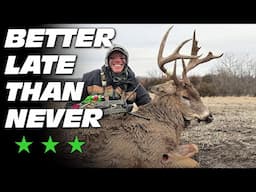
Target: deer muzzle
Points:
(207, 119)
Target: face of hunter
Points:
(117, 62)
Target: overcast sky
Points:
(142, 42)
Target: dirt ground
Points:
(230, 140)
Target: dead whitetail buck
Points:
(130, 141)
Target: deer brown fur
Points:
(126, 141)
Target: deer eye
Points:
(185, 97)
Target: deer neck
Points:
(164, 109)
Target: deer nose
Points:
(209, 118)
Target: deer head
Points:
(187, 98)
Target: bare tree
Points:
(235, 76)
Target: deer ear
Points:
(178, 161)
(187, 150)
(164, 88)
(171, 90)
(157, 89)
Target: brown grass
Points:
(230, 140)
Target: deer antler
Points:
(174, 56)
(196, 61)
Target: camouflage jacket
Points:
(115, 90)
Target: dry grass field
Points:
(230, 140)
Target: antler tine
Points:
(184, 73)
(193, 63)
(160, 58)
(175, 55)
(196, 61)
(174, 76)
(195, 48)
